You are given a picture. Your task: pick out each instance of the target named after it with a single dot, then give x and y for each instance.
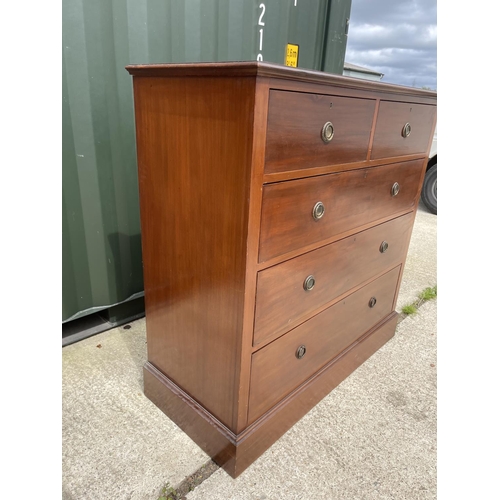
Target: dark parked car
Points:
(429, 189)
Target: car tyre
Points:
(429, 189)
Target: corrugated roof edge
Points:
(361, 69)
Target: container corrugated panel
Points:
(102, 263)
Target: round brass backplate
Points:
(406, 130)
(301, 351)
(327, 132)
(309, 283)
(318, 211)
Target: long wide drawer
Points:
(305, 211)
(402, 129)
(290, 292)
(280, 367)
(311, 130)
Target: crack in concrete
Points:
(191, 482)
(418, 304)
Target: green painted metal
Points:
(336, 36)
(102, 264)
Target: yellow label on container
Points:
(292, 55)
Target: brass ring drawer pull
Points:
(395, 189)
(309, 283)
(406, 130)
(318, 211)
(372, 302)
(384, 246)
(301, 351)
(327, 132)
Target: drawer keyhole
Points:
(372, 302)
(318, 211)
(301, 351)
(395, 189)
(309, 283)
(384, 246)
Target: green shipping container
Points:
(102, 264)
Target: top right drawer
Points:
(402, 129)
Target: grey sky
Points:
(395, 37)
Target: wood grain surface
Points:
(282, 77)
(194, 145)
(231, 163)
(392, 116)
(276, 370)
(282, 302)
(351, 199)
(294, 130)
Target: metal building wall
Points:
(102, 263)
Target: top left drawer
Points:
(313, 130)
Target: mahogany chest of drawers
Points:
(276, 208)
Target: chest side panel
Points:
(194, 138)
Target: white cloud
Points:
(397, 38)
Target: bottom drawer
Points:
(284, 364)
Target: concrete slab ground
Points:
(421, 263)
(374, 437)
(116, 443)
